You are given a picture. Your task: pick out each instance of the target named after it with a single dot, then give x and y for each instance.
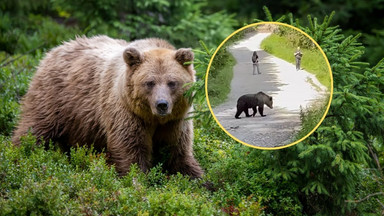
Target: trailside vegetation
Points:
(221, 71)
(285, 41)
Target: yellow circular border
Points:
(252, 25)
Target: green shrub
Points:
(15, 74)
(295, 38)
(310, 117)
(39, 181)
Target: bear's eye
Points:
(171, 84)
(150, 84)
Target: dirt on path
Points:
(289, 88)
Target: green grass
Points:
(310, 117)
(312, 61)
(220, 77)
(221, 71)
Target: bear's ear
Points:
(132, 57)
(184, 55)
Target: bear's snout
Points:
(162, 107)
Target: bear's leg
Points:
(129, 143)
(254, 111)
(261, 109)
(42, 129)
(247, 112)
(239, 110)
(238, 113)
(178, 135)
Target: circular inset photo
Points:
(269, 85)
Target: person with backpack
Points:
(255, 61)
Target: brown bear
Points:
(126, 98)
(252, 101)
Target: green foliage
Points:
(310, 117)
(35, 181)
(269, 15)
(26, 33)
(295, 38)
(180, 22)
(14, 78)
(196, 92)
(374, 44)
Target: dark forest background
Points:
(353, 16)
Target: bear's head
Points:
(265, 99)
(156, 82)
(269, 102)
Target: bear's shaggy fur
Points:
(252, 101)
(124, 97)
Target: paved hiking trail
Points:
(289, 88)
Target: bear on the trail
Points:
(126, 98)
(252, 101)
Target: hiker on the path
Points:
(255, 61)
(298, 56)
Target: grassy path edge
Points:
(313, 61)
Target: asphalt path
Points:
(291, 90)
